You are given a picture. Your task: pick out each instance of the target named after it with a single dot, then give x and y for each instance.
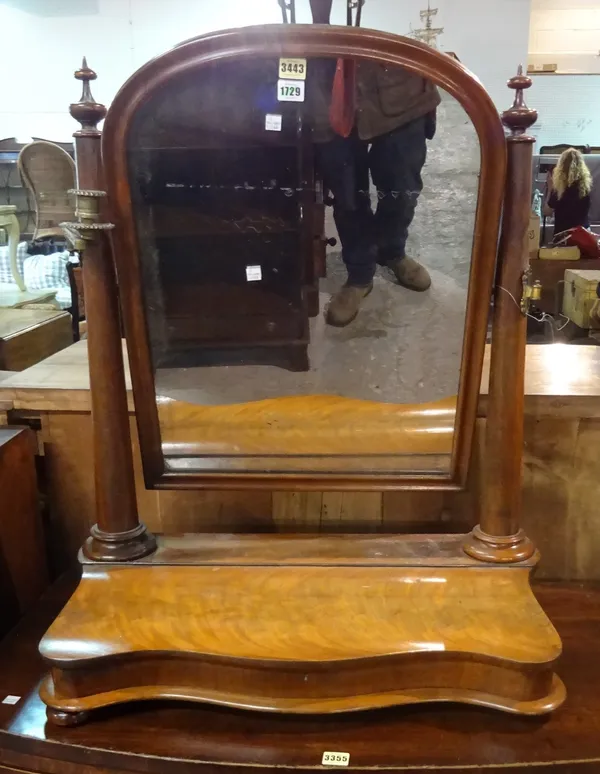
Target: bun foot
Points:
(66, 719)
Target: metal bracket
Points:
(531, 291)
(87, 212)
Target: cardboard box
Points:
(580, 296)
(533, 236)
(560, 253)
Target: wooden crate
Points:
(580, 296)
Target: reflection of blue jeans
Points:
(395, 161)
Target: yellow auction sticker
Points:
(292, 69)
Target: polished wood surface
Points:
(30, 335)
(562, 443)
(328, 625)
(117, 532)
(177, 738)
(248, 428)
(560, 381)
(305, 41)
(498, 535)
(23, 571)
(226, 550)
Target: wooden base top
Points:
(172, 738)
(301, 615)
(352, 629)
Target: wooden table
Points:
(9, 222)
(177, 738)
(562, 453)
(30, 335)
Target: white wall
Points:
(43, 42)
(566, 34)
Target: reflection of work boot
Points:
(344, 305)
(410, 273)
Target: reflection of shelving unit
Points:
(428, 33)
(226, 219)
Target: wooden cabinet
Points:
(23, 575)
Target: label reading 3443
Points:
(294, 69)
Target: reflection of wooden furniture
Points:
(9, 222)
(449, 619)
(49, 173)
(30, 335)
(22, 552)
(78, 300)
(227, 236)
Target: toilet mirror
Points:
(306, 265)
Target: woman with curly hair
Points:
(569, 189)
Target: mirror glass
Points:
(305, 232)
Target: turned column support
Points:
(118, 534)
(498, 537)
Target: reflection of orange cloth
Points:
(343, 97)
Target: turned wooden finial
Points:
(87, 111)
(519, 117)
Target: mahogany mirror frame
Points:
(308, 41)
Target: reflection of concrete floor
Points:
(403, 347)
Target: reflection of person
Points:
(569, 187)
(395, 115)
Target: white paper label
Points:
(293, 69)
(290, 91)
(253, 273)
(335, 759)
(11, 699)
(273, 122)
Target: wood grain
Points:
(341, 634)
(560, 380)
(23, 567)
(309, 425)
(176, 738)
(552, 514)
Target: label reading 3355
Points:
(335, 759)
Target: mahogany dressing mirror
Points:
(211, 199)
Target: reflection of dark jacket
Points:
(387, 97)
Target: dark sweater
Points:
(570, 210)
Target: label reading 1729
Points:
(290, 91)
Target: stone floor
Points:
(403, 347)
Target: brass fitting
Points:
(531, 291)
